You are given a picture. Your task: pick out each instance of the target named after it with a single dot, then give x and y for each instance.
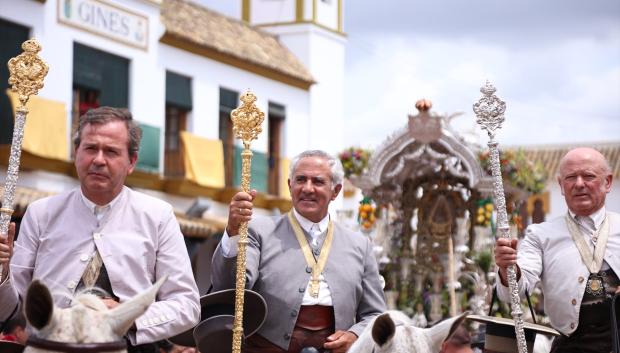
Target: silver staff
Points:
(27, 72)
(490, 112)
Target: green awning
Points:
(259, 170)
(148, 156)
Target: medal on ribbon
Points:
(316, 265)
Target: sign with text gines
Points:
(107, 20)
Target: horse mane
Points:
(90, 301)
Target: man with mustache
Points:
(308, 304)
(104, 235)
(575, 257)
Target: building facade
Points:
(180, 67)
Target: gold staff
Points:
(247, 120)
(490, 112)
(27, 72)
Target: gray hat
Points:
(500, 334)
(216, 309)
(11, 347)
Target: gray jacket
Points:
(276, 268)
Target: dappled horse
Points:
(86, 326)
(394, 332)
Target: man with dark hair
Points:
(105, 235)
(574, 257)
(319, 279)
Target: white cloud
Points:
(566, 91)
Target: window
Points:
(99, 78)
(13, 35)
(276, 116)
(228, 101)
(178, 105)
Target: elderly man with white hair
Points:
(575, 257)
(320, 280)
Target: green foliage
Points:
(516, 169)
(484, 259)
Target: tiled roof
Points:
(549, 155)
(198, 29)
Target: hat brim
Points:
(11, 347)
(214, 335)
(223, 303)
(545, 330)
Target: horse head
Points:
(87, 325)
(394, 332)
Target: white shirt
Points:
(597, 221)
(98, 211)
(229, 249)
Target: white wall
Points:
(327, 13)
(558, 204)
(322, 52)
(269, 11)
(230, 8)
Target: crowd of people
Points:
(320, 281)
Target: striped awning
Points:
(200, 227)
(23, 197)
(190, 227)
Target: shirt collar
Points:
(91, 205)
(306, 224)
(597, 217)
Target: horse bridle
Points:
(37, 342)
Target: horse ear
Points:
(39, 305)
(441, 331)
(123, 316)
(383, 329)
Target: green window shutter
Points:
(115, 87)
(259, 170)
(13, 35)
(87, 67)
(104, 72)
(148, 156)
(179, 91)
(229, 100)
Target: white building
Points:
(179, 66)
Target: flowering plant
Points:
(354, 160)
(517, 170)
(484, 215)
(366, 216)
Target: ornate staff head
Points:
(27, 71)
(490, 110)
(247, 119)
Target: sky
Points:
(556, 64)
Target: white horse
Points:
(394, 332)
(87, 325)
